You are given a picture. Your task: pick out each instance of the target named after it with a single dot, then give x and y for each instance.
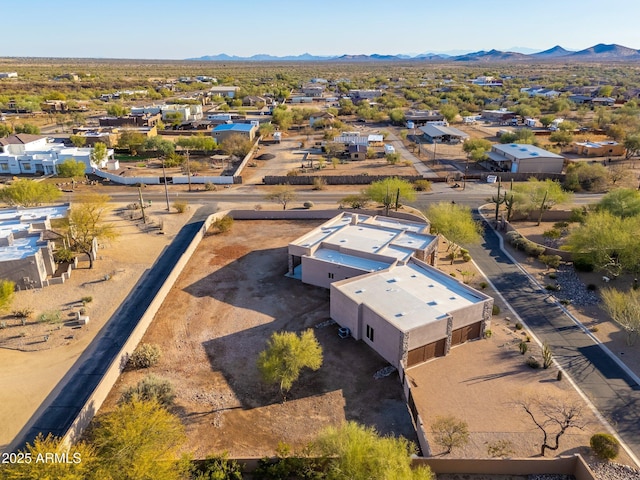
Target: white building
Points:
(383, 289)
(524, 158)
(35, 155)
(8, 74)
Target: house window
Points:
(26, 166)
(4, 167)
(370, 332)
(330, 275)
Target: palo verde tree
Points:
(450, 432)
(391, 191)
(29, 193)
(456, 224)
(624, 309)
(356, 452)
(7, 292)
(137, 441)
(539, 195)
(283, 195)
(86, 223)
(99, 153)
(75, 462)
(71, 168)
(286, 355)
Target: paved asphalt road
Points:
(61, 407)
(609, 388)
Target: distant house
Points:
(486, 81)
(222, 132)
(313, 89)
(422, 117)
(357, 95)
(138, 120)
(26, 255)
(442, 134)
(253, 100)
(357, 152)
(224, 91)
(325, 117)
(540, 92)
(603, 101)
(35, 155)
(54, 106)
(524, 158)
(500, 115)
(8, 75)
(599, 149)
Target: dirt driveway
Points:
(230, 298)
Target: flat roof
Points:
(22, 248)
(237, 127)
(440, 130)
(522, 151)
(334, 256)
(410, 295)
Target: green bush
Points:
(210, 187)
(87, 299)
(52, 316)
(23, 313)
(495, 310)
(217, 467)
(523, 347)
(307, 204)
(519, 326)
(582, 264)
(180, 206)
(553, 234)
(223, 224)
(483, 285)
(552, 288)
(605, 446)
(488, 333)
(64, 255)
(512, 235)
(533, 362)
(150, 388)
(533, 249)
(423, 185)
(145, 356)
(466, 257)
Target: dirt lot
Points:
(230, 298)
(31, 366)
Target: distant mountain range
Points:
(597, 53)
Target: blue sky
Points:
(179, 29)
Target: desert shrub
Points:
(488, 333)
(293, 173)
(483, 285)
(453, 274)
(64, 255)
(533, 249)
(553, 234)
(145, 356)
(307, 204)
(217, 467)
(533, 362)
(523, 347)
(52, 316)
(22, 313)
(560, 225)
(148, 389)
(565, 302)
(547, 356)
(223, 224)
(592, 287)
(466, 257)
(552, 287)
(210, 187)
(552, 276)
(500, 448)
(319, 183)
(578, 215)
(423, 185)
(87, 299)
(180, 206)
(510, 236)
(552, 261)
(520, 243)
(605, 446)
(495, 310)
(3, 325)
(582, 264)
(519, 326)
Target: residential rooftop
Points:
(521, 151)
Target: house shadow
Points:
(256, 282)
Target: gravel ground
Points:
(572, 288)
(615, 471)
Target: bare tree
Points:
(553, 417)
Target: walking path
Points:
(612, 389)
(404, 152)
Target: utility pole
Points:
(166, 190)
(144, 218)
(498, 200)
(188, 171)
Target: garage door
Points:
(426, 352)
(463, 334)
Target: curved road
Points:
(59, 410)
(613, 392)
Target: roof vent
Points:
(432, 303)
